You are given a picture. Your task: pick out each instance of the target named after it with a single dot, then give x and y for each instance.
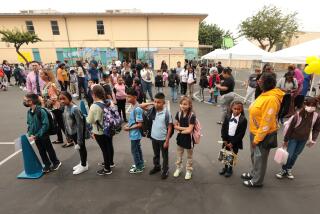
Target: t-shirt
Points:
(184, 76)
(135, 117)
(253, 80)
(178, 70)
(191, 77)
(159, 127)
(94, 73)
(229, 83)
(184, 140)
(120, 92)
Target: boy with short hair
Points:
(133, 127)
(161, 130)
(38, 126)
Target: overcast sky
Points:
(226, 13)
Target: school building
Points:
(115, 34)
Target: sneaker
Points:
(81, 169)
(55, 167)
(102, 164)
(223, 171)
(76, 147)
(177, 173)
(135, 170)
(154, 171)
(281, 174)
(76, 167)
(188, 175)
(289, 174)
(112, 165)
(164, 175)
(46, 169)
(219, 122)
(104, 172)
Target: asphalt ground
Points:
(121, 192)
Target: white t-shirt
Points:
(184, 76)
(191, 77)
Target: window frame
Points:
(30, 26)
(100, 27)
(55, 27)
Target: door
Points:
(60, 56)
(36, 54)
(103, 57)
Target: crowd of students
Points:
(107, 90)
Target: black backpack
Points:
(173, 80)
(285, 106)
(52, 130)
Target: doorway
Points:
(127, 54)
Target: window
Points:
(55, 28)
(100, 27)
(30, 27)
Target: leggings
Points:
(105, 143)
(60, 125)
(82, 150)
(63, 85)
(122, 108)
(184, 87)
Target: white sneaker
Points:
(76, 147)
(177, 173)
(81, 169)
(77, 166)
(281, 174)
(188, 175)
(289, 174)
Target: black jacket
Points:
(236, 140)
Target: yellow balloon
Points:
(314, 66)
(311, 59)
(307, 70)
(317, 67)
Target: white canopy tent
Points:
(213, 54)
(296, 54)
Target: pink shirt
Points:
(120, 92)
(32, 84)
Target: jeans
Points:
(295, 147)
(157, 146)
(44, 146)
(82, 150)
(174, 93)
(147, 87)
(105, 143)
(250, 94)
(226, 101)
(159, 89)
(137, 153)
(81, 86)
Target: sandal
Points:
(67, 145)
(250, 184)
(246, 176)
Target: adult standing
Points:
(7, 70)
(263, 128)
(62, 76)
(146, 80)
(192, 79)
(178, 70)
(306, 83)
(81, 72)
(94, 73)
(139, 67)
(184, 80)
(164, 66)
(266, 68)
(251, 86)
(34, 82)
(226, 88)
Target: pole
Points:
(311, 87)
(67, 31)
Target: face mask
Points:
(310, 109)
(25, 104)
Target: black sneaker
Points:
(164, 175)
(154, 171)
(104, 172)
(111, 165)
(46, 169)
(56, 166)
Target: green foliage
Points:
(270, 27)
(212, 34)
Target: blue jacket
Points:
(94, 73)
(35, 126)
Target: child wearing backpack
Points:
(204, 83)
(301, 129)
(38, 131)
(233, 130)
(158, 81)
(185, 123)
(174, 81)
(134, 128)
(95, 117)
(161, 130)
(120, 92)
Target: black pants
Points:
(122, 108)
(157, 146)
(44, 146)
(105, 144)
(202, 93)
(82, 150)
(8, 74)
(184, 87)
(60, 125)
(81, 86)
(63, 85)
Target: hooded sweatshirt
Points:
(263, 114)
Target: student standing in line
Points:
(120, 92)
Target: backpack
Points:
(111, 124)
(196, 132)
(148, 118)
(299, 119)
(285, 106)
(52, 130)
(173, 80)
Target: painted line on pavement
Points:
(6, 143)
(11, 156)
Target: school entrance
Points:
(127, 53)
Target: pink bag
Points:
(281, 156)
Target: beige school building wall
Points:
(79, 30)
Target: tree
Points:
(18, 38)
(211, 34)
(270, 27)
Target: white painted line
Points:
(7, 143)
(11, 156)
(195, 96)
(168, 105)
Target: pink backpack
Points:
(196, 133)
(288, 122)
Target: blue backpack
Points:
(112, 121)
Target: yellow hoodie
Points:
(263, 114)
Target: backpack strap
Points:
(102, 106)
